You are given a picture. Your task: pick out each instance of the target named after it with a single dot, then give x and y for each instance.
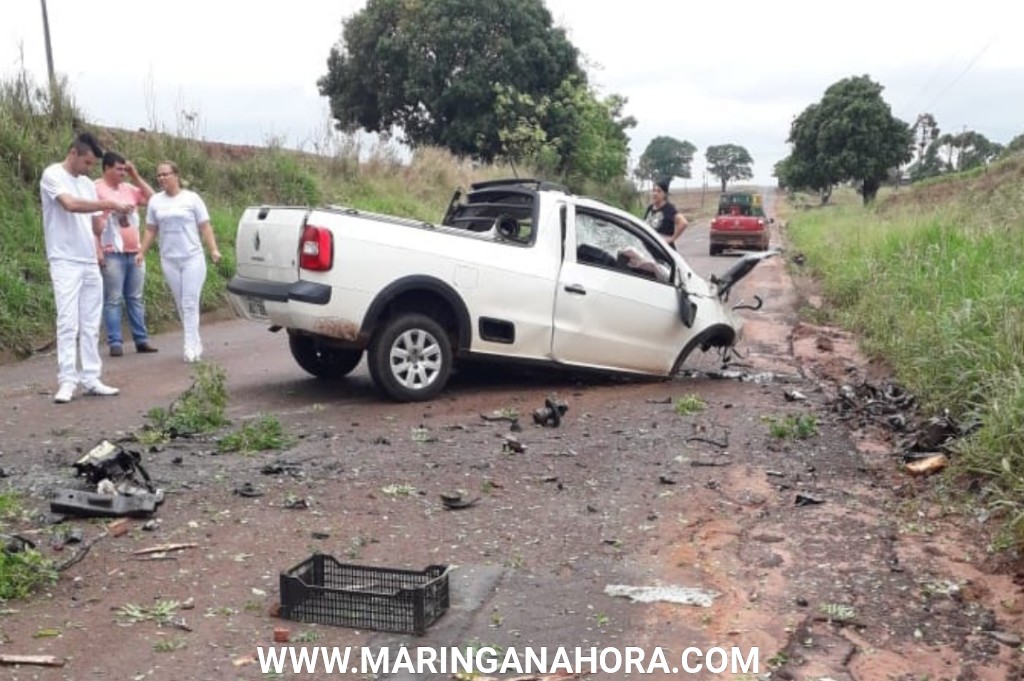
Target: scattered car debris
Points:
(318, 534)
(501, 415)
(808, 500)
(164, 548)
(118, 528)
(700, 438)
(666, 480)
(277, 468)
(1006, 638)
(38, 660)
(108, 461)
(295, 504)
(94, 505)
(512, 445)
(710, 463)
(794, 396)
(455, 501)
(683, 595)
(151, 525)
(550, 415)
(928, 465)
(248, 490)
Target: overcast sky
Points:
(711, 73)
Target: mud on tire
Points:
(410, 358)
(322, 360)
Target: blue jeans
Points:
(122, 283)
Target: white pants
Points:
(78, 293)
(185, 277)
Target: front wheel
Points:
(322, 360)
(411, 358)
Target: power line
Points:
(963, 73)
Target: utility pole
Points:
(49, 52)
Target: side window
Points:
(602, 241)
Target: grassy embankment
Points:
(932, 278)
(36, 129)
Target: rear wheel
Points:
(320, 359)
(411, 358)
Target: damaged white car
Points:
(516, 270)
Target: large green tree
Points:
(850, 135)
(666, 157)
(729, 162)
(428, 68)
(573, 132)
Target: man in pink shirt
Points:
(123, 279)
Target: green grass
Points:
(200, 409)
(689, 404)
(790, 427)
(934, 283)
(22, 572)
(263, 434)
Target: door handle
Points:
(576, 288)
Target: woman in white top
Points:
(179, 219)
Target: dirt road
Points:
(874, 582)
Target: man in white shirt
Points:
(71, 223)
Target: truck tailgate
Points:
(267, 243)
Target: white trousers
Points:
(78, 294)
(185, 277)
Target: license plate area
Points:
(256, 307)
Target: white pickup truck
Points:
(516, 270)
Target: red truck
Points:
(740, 223)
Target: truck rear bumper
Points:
(281, 292)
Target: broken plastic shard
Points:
(927, 466)
(684, 595)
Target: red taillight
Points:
(316, 252)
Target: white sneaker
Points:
(101, 389)
(65, 393)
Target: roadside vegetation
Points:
(932, 280)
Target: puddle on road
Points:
(684, 595)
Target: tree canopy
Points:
(666, 157)
(429, 68)
(729, 162)
(571, 132)
(849, 136)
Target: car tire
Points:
(410, 358)
(714, 250)
(322, 360)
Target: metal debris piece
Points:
(550, 415)
(512, 445)
(90, 504)
(683, 595)
(808, 500)
(248, 490)
(794, 396)
(107, 461)
(455, 501)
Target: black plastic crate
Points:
(324, 591)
